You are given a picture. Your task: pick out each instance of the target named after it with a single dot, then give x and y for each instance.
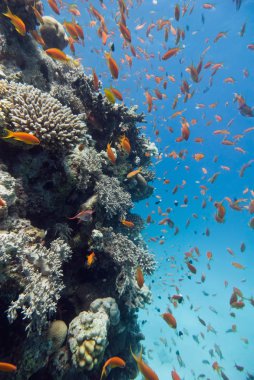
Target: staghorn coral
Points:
(41, 271)
(112, 198)
(83, 167)
(36, 112)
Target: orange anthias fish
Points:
(26, 138)
(175, 375)
(58, 55)
(170, 319)
(113, 362)
(16, 22)
(7, 367)
(90, 259)
(146, 371)
(111, 154)
(125, 144)
(134, 173)
(170, 53)
(139, 277)
(53, 5)
(112, 65)
(198, 156)
(127, 223)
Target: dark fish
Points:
(238, 4)
(202, 321)
(224, 377)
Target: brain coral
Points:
(35, 112)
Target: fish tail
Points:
(103, 372)
(9, 134)
(9, 13)
(135, 357)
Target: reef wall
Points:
(68, 290)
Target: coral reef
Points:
(88, 333)
(112, 197)
(43, 276)
(65, 315)
(38, 113)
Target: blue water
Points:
(161, 341)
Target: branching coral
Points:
(112, 197)
(38, 113)
(41, 271)
(127, 256)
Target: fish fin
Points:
(103, 372)
(135, 357)
(9, 13)
(9, 134)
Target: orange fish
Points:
(70, 27)
(57, 54)
(113, 68)
(170, 319)
(7, 367)
(113, 362)
(111, 154)
(237, 265)
(116, 93)
(95, 81)
(37, 15)
(149, 101)
(170, 53)
(53, 5)
(127, 223)
(125, 144)
(26, 138)
(16, 22)
(90, 259)
(38, 38)
(146, 371)
(198, 156)
(125, 32)
(175, 375)
(139, 277)
(134, 173)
